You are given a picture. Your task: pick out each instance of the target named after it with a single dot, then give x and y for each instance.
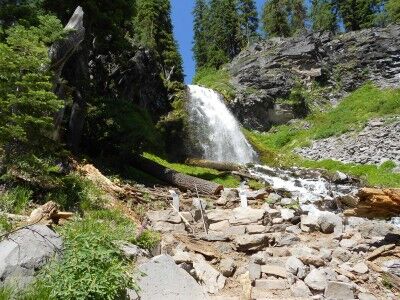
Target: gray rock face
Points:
(376, 143)
(339, 291)
(267, 72)
(316, 280)
(25, 252)
(163, 279)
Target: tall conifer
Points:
(200, 43)
(275, 18)
(323, 16)
(248, 20)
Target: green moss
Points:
(275, 147)
(218, 80)
(223, 178)
(255, 184)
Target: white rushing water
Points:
(216, 129)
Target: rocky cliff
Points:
(282, 78)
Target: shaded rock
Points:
(273, 198)
(329, 222)
(255, 228)
(300, 289)
(293, 229)
(254, 270)
(251, 242)
(161, 278)
(341, 254)
(339, 291)
(26, 251)
(132, 251)
(287, 239)
(296, 267)
(218, 215)
(169, 216)
(316, 280)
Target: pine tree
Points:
(223, 32)
(275, 18)
(393, 10)
(297, 16)
(358, 14)
(200, 33)
(27, 103)
(323, 16)
(248, 20)
(154, 30)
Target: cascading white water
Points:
(216, 129)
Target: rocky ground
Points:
(376, 143)
(272, 250)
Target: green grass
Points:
(218, 80)
(368, 102)
(15, 200)
(223, 178)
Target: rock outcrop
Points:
(377, 203)
(272, 77)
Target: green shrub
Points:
(148, 239)
(92, 266)
(15, 200)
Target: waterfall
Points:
(215, 128)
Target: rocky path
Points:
(376, 143)
(273, 250)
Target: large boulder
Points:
(161, 278)
(25, 251)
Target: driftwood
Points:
(220, 166)
(48, 214)
(379, 252)
(175, 178)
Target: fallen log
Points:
(376, 203)
(217, 165)
(175, 178)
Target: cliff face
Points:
(279, 79)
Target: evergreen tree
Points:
(27, 103)
(393, 10)
(275, 18)
(223, 32)
(323, 16)
(199, 29)
(248, 20)
(358, 14)
(154, 30)
(297, 16)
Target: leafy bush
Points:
(15, 200)
(92, 267)
(148, 239)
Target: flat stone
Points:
(161, 278)
(293, 229)
(347, 243)
(235, 230)
(303, 251)
(338, 291)
(316, 280)
(255, 228)
(341, 254)
(300, 289)
(272, 284)
(330, 223)
(251, 242)
(219, 226)
(132, 251)
(168, 227)
(287, 239)
(254, 271)
(366, 296)
(274, 270)
(211, 280)
(218, 215)
(227, 267)
(168, 215)
(246, 215)
(360, 268)
(182, 256)
(313, 260)
(277, 221)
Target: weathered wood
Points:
(220, 166)
(175, 178)
(378, 252)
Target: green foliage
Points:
(27, 104)
(15, 200)
(275, 18)
(209, 174)
(358, 14)
(255, 184)
(5, 226)
(200, 43)
(92, 267)
(148, 239)
(352, 113)
(297, 16)
(323, 16)
(154, 30)
(218, 80)
(24, 12)
(393, 10)
(248, 21)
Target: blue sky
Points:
(183, 29)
